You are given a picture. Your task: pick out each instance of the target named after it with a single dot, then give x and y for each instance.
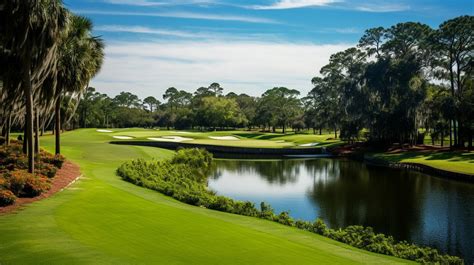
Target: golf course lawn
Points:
(460, 162)
(101, 219)
(242, 138)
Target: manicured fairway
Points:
(104, 220)
(243, 138)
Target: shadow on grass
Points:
(445, 156)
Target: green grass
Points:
(460, 162)
(103, 220)
(246, 138)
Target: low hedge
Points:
(184, 177)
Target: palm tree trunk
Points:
(28, 90)
(37, 133)
(25, 140)
(57, 126)
(7, 129)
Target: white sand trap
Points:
(176, 139)
(309, 144)
(227, 138)
(101, 130)
(122, 137)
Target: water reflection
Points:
(407, 205)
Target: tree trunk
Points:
(320, 131)
(25, 140)
(8, 129)
(283, 128)
(28, 90)
(57, 125)
(470, 140)
(442, 139)
(450, 133)
(335, 133)
(37, 132)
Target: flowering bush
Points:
(6, 197)
(35, 185)
(14, 177)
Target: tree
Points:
(280, 105)
(80, 57)
(31, 36)
(127, 99)
(216, 89)
(152, 103)
(454, 45)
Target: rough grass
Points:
(104, 220)
(461, 162)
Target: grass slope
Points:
(460, 162)
(103, 220)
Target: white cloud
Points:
(288, 4)
(147, 30)
(242, 66)
(157, 3)
(185, 15)
(207, 35)
(382, 8)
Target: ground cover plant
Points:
(184, 176)
(15, 181)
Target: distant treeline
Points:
(397, 85)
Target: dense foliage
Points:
(184, 177)
(15, 181)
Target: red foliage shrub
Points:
(6, 197)
(17, 180)
(35, 185)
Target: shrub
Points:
(35, 185)
(266, 211)
(7, 197)
(46, 169)
(284, 218)
(17, 181)
(319, 227)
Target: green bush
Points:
(7, 197)
(184, 177)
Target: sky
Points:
(247, 46)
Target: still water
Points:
(405, 204)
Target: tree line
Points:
(398, 80)
(47, 58)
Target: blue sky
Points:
(247, 46)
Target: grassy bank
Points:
(459, 162)
(102, 219)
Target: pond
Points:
(408, 205)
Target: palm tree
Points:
(30, 39)
(80, 58)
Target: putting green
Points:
(103, 220)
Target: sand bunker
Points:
(176, 139)
(101, 130)
(122, 137)
(227, 138)
(309, 144)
